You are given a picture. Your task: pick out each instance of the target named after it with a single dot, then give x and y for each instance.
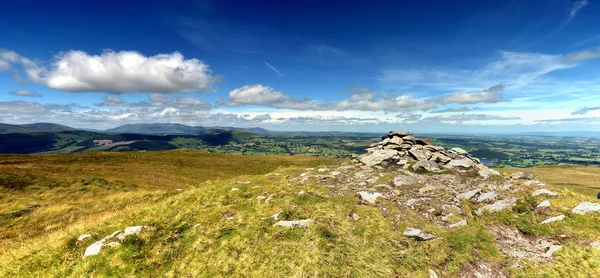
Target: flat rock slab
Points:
(294, 223)
(485, 197)
(543, 192)
(378, 156)
(419, 154)
(465, 163)
(369, 197)
(417, 234)
(553, 219)
(586, 207)
(468, 195)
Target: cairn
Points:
(404, 149)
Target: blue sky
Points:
(425, 66)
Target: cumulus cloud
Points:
(117, 72)
(585, 110)
(24, 93)
(256, 94)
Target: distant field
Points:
(581, 179)
(43, 193)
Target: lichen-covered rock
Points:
(468, 195)
(427, 165)
(485, 197)
(420, 154)
(378, 156)
(417, 234)
(544, 204)
(486, 173)
(458, 224)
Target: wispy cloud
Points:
(578, 5)
(24, 93)
(274, 69)
(585, 110)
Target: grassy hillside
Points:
(210, 229)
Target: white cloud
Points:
(468, 98)
(578, 5)
(274, 69)
(24, 93)
(256, 94)
(582, 55)
(585, 110)
(118, 72)
(158, 100)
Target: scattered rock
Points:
(235, 189)
(261, 198)
(543, 192)
(553, 219)
(368, 196)
(427, 165)
(522, 175)
(276, 215)
(97, 246)
(544, 204)
(413, 202)
(498, 206)
(196, 226)
(552, 249)
(595, 244)
(417, 234)
(464, 162)
(432, 274)
(354, 216)
(485, 197)
(468, 195)
(83, 237)
(586, 207)
(294, 224)
(133, 230)
(427, 188)
(488, 173)
(458, 224)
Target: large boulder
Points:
(420, 154)
(378, 156)
(399, 133)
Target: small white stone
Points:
(294, 224)
(369, 197)
(432, 274)
(553, 219)
(235, 189)
(83, 237)
(544, 204)
(543, 191)
(553, 248)
(459, 224)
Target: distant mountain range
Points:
(29, 128)
(154, 128)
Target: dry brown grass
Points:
(43, 193)
(581, 179)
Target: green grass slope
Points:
(209, 229)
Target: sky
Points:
(365, 66)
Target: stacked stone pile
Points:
(404, 149)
